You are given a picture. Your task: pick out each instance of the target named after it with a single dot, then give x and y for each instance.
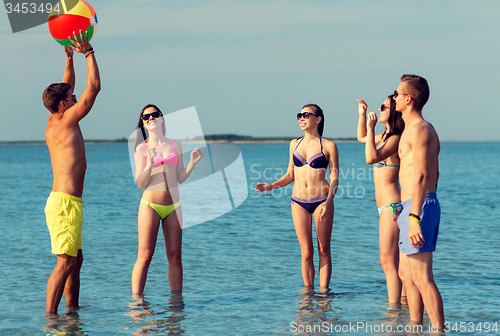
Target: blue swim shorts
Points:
(430, 217)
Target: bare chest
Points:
(404, 148)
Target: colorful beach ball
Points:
(67, 17)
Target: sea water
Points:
(242, 270)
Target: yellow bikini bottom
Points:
(162, 210)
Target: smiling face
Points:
(310, 122)
(385, 112)
(153, 117)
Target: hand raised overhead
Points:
(80, 42)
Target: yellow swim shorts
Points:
(64, 216)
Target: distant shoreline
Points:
(208, 139)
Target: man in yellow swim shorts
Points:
(67, 154)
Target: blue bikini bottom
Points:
(310, 205)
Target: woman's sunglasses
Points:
(383, 107)
(155, 115)
(305, 115)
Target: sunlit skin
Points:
(386, 190)
(311, 183)
(160, 186)
(67, 155)
(418, 149)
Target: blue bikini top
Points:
(317, 161)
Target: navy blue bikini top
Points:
(317, 161)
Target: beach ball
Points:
(68, 16)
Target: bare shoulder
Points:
(330, 148)
(141, 149)
(332, 154)
(294, 142)
(50, 123)
(393, 139)
(378, 137)
(329, 145)
(422, 131)
(68, 119)
(177, 145)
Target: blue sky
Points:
(249, 66)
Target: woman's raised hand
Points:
(196, 155)
(151, 155)
(372, 120)
(362, 106)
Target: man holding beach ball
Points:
(67, 154)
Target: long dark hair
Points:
(319, 112)
(142, 132)
(396, 123)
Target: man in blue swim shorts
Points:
(419, 221)
(429, 224)
(67, 155)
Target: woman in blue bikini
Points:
(381, 150)
(159, 169)
(312, 196)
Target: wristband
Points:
(414, 217)
(89, 49)
(416, 220)
(89, 53)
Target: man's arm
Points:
(86, 101)
(69, 70)
(419, 140)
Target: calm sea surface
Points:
(242, 270)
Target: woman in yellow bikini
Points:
(159, 169)
(312, 196)
(381, 150)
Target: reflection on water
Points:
(317, 316)
(165, 322)
(67, 324)
(311, 315)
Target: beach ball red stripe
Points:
(66, 42)
(60, 28)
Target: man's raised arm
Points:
(86, 101)
(69, 70)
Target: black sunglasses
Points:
(73, 98)
(305, 115)
(155, 115)
(383, 107)
(396, 94)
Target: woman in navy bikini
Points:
(381, 150)
(159, 169)
(312, 196)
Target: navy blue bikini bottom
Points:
(310, 205)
